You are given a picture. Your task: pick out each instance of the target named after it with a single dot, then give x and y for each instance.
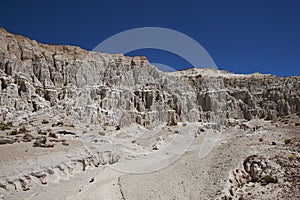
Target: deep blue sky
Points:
(241, 36)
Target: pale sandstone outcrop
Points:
(116, 90)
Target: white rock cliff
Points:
(117, 90)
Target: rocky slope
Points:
(116, 90)
(66, 114)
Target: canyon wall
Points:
(116, 90)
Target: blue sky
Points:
(241, 36)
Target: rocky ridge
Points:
(115, 90)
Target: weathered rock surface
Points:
(116, 90)
(78, 104)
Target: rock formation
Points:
(116, 90)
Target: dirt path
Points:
(169, 174)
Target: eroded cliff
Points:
(117, 90)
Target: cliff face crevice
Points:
(117, 90)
